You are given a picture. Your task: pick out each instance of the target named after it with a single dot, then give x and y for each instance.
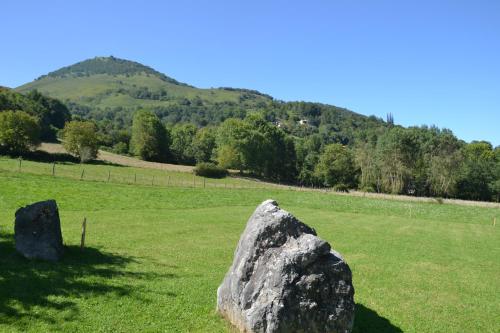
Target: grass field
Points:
(156, 256)
(113, 173)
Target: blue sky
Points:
(426, 62)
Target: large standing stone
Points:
(38, 231)
(286, 279)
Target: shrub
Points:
(210, 170)
(341, 188)
(120, 148)
(367, 189)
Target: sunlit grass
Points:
(157, 254)
(122, 174)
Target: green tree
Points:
(51, 114)
(120, 140)
(229, 157)
(495, 182)
(150, 139)
(397, 154)
(204, 144)
(57, 113)
(233, 144)
(444, 159)
(307, 155)
(366, 161)
(80, 139)
(336, 167)
(182, 143)
(477, 172)
(257, 146)
(271, 152)
(19, 132)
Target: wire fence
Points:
(161, 178)
(127, 175)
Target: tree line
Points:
(420, 161)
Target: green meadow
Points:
(155, 255)
(105, 90)
(107, 172)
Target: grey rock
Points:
(286, 279)
(37, 231)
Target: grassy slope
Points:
(156, 256)
(125, 174)
(79, 89)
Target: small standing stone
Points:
(286, 279)
(38, 231)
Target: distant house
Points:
(278, 124)
(303, 122)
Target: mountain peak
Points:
(110, 66)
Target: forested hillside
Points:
(136, 110)
(51, 113)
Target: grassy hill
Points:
(111, 82)
(109, 90)
(155, 256)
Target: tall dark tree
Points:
(57, 115)
(150, 139)
(273, 153)
(477, 172)
(495, 182)
(307, 154)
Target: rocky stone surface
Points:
(286, 279)
(38, 231)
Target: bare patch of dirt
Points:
(56, 148)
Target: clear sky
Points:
(426, 61)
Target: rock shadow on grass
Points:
(368, 321)
(28, 286)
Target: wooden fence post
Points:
(83, 173)
(204, 182)
(84, 229)
(53, 169)
(20, 162)
(194, 181)
(109, 175)
(135, 178)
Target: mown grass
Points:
(122, 174)
(156, 256)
